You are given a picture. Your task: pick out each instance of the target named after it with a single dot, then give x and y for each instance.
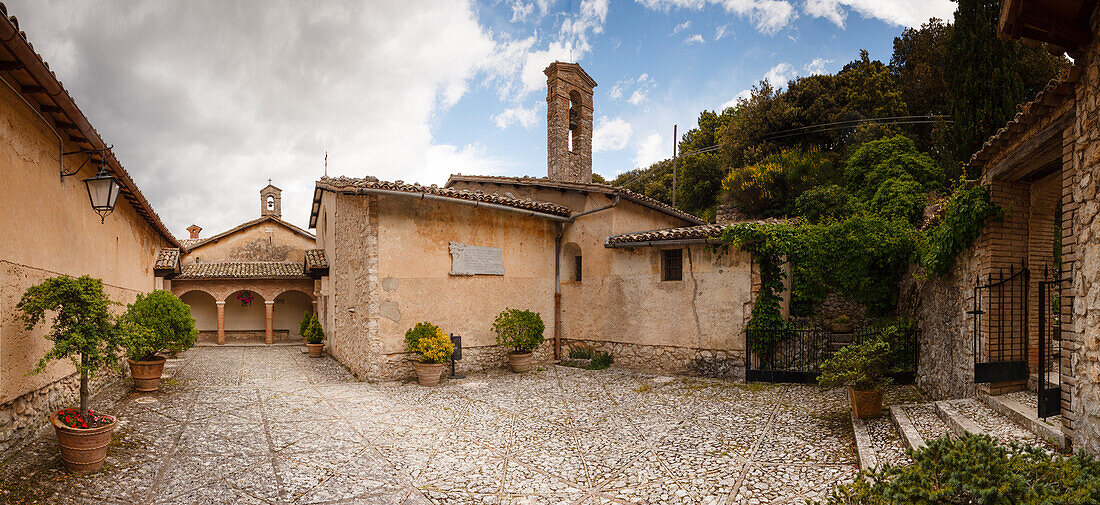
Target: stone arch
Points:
(203, 309)
(239, 317)
(571, 262)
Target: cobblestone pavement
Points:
(270, 425)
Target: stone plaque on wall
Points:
(476, 260)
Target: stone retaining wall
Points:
(669, 359)
(22, 417)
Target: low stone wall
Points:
(21, 418)
(669, 359)
(244, 335)
(399, 366)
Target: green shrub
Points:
(861, 366)
(303, 326)
(963, 218)
(976, 470)
(519, 329)
(429, 343)
(601, 360)
(891, 158)
(154, 323)
(315, 334)
(842, 319)
(901, 199)
(770, 186)
(581, 351)
(824, 203)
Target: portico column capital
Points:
(269, 302)
(220, 302)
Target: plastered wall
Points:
(264, 241)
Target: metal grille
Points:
(1049, 356)
(790, 354)
(1000, 326)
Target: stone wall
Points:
(667, 359)
(835, 305)
(1083, 379)
(23, 417)
(232, 336)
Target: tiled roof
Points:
(190, 244)
(243, 270)
(1054, 95)
(40, 86)
(704, 231)
(315, 259)
(349, 184)
(167, 259)
(580, 186)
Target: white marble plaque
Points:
(476, 260)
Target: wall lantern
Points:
(103, 192)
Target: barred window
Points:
(672, 265)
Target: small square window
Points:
(577, 268)
(672, 265)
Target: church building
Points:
(601, 264)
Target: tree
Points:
(156, 322)
(82, 330)
(769, 188)
(880, 161)
(987, 78)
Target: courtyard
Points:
(270, 425)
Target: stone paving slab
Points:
(269, 425)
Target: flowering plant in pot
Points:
(842, 324)
(83, 331)
(522, 331)
(432, 348)
(158, 322)
(314, 335)
(862, 368)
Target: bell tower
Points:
(271, 201)
(568, 122)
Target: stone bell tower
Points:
(271, 201)
(568, 122)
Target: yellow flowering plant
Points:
(429, 343)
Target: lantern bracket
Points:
(86, 160)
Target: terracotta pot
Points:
(83, 451)
(866, 404)
(428, 374)
(147, 374)
(520, 361)
(316, 350)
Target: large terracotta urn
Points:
(147, 374)
(521, 361)
(83, 450)
(866, 404)
(428, 374)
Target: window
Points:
(672, 265)
(270, 203)
(577, 268)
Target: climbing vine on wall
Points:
(963, 218)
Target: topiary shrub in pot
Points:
(432, 349)
(520, 330)
(155, 323)
(315, 337)
(82, 330)
(862, 368)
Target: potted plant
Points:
(432, 348)
(155, 323)
(842, 324)
(82, 330)
(315, 337)
(862, 368)
(522, 331)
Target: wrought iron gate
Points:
(1000, 326)
(1050, 343)
(793, 353)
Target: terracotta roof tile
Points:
(350, 184)
(315, 259)
(580, 186)
(704, 231)
(167, 259)
(243, 270)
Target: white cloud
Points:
(722, 31)
(651, 150)
(769, 16)
(743, 95)
(526, 117)
(638, 89)
(681, 27)
(816, 67)
(520, 10)
(694, 39)
(780, 74)
(616, 92)
(611, 135)
(637, 97)
(909, 13)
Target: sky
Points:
(205, 100)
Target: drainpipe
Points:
(557, 272)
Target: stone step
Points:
(1026, 416)
(959, 423)
(906, 430)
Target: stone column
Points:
(269, 335)
(221, 322)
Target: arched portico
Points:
(247, 309)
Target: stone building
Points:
(1013, 315)
(253, 282)
(600, 263)
(48, 228)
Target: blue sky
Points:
(204, 100)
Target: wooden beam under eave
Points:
(31, 89)
(65, 125)
(8, 66)
(51, 109)
(79, 139)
